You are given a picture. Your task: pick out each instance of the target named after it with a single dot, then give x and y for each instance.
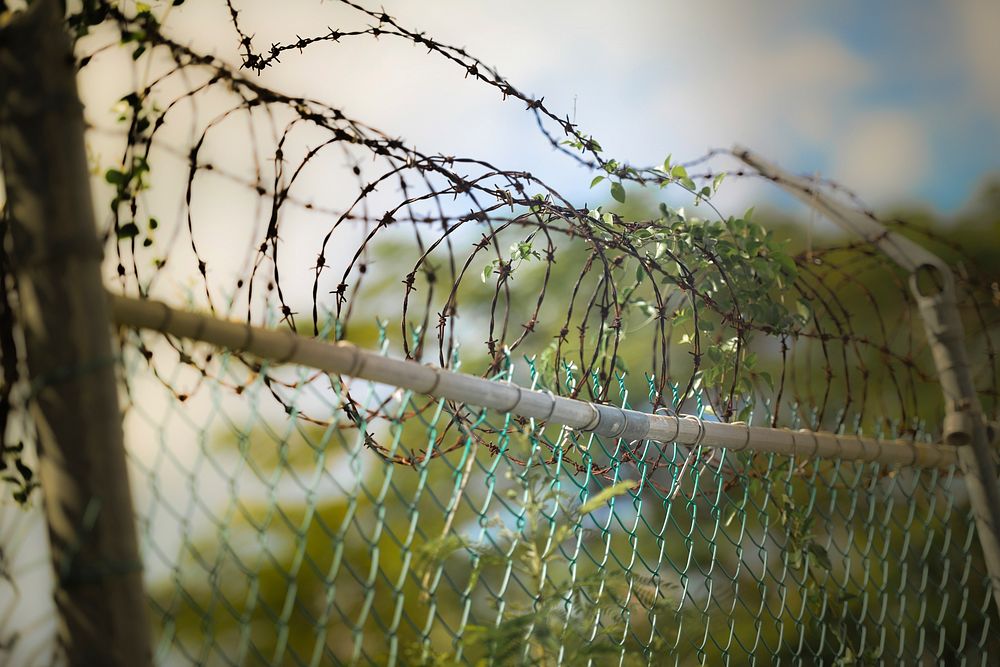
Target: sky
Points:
(899, 101)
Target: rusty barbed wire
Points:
(495, 262)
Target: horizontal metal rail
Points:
(964, 424)
(603, 420)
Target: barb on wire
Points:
(294, 512)
(493, 260)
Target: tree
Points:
(458, 534)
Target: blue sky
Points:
(898, 100)
(939, 63)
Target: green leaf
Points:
(679, 172)
(437, 551)
(787, 263)
(521, 250)
(822, 557)
(115, 177)
(744, 414)
(605, 495)
(767, 379)
(128, 230)
(802, 308)
(597, 179)
(717, 181)
(646, 308)
(618, 192)
(487, 272)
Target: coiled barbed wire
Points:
(496, 262)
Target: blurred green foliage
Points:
(543, 567)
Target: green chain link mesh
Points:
(292, 518)
(271, 540)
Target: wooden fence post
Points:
(65, 322)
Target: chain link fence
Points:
(294, 513)
(269, 539)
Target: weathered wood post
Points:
(65, 322)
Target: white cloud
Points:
(885, 156)
(774, 95)
(648, 79)
(977, 23)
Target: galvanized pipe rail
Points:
(603, 420)
(933, 287)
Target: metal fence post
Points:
(933, 288)
(64, 319)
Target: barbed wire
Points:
(709, 306)
(288, 514)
